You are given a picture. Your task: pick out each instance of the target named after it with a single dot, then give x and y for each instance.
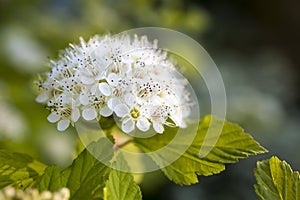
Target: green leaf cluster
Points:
(88, 178)
(85, 178)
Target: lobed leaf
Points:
(19, 170)
(50, 180)
(232, 144)
(121, 185)
(276, 180)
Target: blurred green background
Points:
(254, 43)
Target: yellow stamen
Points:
(134, 113)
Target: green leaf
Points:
(18, 170)
(51, 179)
(276, 180)
(120, 185)
(232, 144)
(85, 178)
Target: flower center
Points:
(134, 113)
(66, 111)
(98, 102)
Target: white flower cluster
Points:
(10, 193)
(107, 75)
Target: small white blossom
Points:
(33, 194)
(130, 78)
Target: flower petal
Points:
(104, 89)
(121, 110)
(128, 125)
(42, 98)
(53, 117)
(112, 79)
(94, 88)
(143, 124)
(76, 102)
(106, 111)
(89, 114)
(158, 127)
(130, 99)
(86, 80)
(75, 115)
(63, 124)
(112, 102)
(84, 98)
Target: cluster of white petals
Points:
(10, 193)
(128, 77)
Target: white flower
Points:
(63, 111)
(94, 104)
(130, 78)
(131, 116)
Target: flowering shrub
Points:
(133, 83)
